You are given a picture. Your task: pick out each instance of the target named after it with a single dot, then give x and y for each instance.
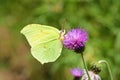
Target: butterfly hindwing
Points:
(47, 52)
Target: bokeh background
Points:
(101, 18)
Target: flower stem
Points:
(85, 66)
(108, 66)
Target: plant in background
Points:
(80, 74)
(108, 67)
(94, 71)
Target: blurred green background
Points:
(101, 18)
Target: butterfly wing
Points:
(37, 34)
(44, 42)
(47, 52)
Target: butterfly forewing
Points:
(37, 34)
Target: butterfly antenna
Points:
(62, 26)
(62, 32)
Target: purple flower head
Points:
(76, 72)
(75, 40)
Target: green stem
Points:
(85, 66)
(108, 66)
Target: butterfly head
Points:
(62, 33)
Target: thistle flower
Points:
(93, 76)
(77, 73)
(75, 40)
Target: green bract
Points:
(45, 42)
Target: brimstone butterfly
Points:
(45, 42)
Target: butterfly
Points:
(45, 41)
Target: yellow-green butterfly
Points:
(45, 42)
